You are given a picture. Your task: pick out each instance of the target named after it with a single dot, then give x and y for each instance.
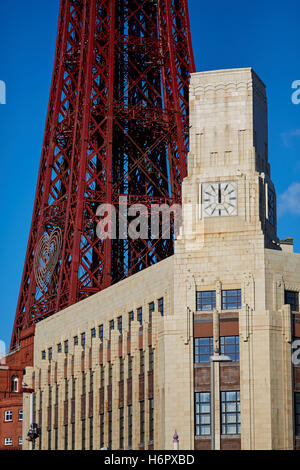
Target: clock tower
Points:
(228, 169)
(231, 271)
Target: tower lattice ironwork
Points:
(117, 125)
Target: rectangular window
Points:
(49, 396)
(101, 430)
(73, 430)
(49, 439)
(142, 362)
(8, 441)
(297, 413)
(73, 387)
(202, 413)
(75, 340)
(91, 432)
(66, 347)
(20, 441)
(83, 434)
(55, 439)
(50, 355)
(101, 376)
(93, 333)
(130, 320)
(130, 416)
(66, 390)
(20, 415)
(59, 348)
(142, 422)
(121, 428)
(83, 340)
(43, 355)
(109, 429)
(205, 300)
(8, 415)
(33, 409)
(121, 369)
(101, 333)
(230, 412)
(110, 374)
(130, 366)
(230, 346)
(83, 383)
(203, 349)
(292, 298)
(151, 419)
(151, 310)
(66, 437)
(160, 305)
(91, 381)
(120, 325)
(231, 299)
(140, 315)
(151, 359)
(111, 327)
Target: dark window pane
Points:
(160, 303)
(292, 298)
(120, 325)
(297, 413)
(151, 310)
(140, 315)
(101, 333)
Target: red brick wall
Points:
(12, 429)
(14, 365)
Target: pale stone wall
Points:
(228, 143)
(168, 341)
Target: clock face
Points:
(219, 199)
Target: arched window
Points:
(14, 384)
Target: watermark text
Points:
(2, 92)
(296, 93)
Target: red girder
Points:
(117, 125)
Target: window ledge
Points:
(224, 364)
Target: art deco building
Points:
(130, 365)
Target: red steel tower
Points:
(117, 125)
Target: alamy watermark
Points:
(2, 92)
(296, 352)
(138, 221)
(151, 222)
(296, 93)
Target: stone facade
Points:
(81, 390)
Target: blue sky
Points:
(261, 34)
